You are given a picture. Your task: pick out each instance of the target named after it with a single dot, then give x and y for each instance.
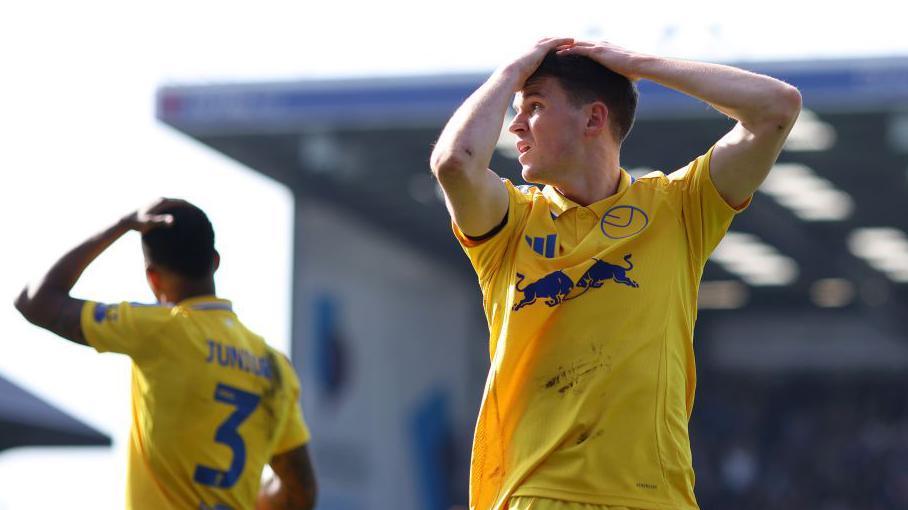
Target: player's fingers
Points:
(545, 40)
(161, 220)
(149, 222)
(552, 43)
(575, 50)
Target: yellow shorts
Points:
(534, 503)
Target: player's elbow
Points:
(25, 304)
(36, 306)
(791, 101)
(449, 164)
(786, 107)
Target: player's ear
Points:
(154, 279)
(216, 262)
(596, 118)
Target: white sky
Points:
(79, 147)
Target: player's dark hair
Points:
(186, 247)
(585, 81)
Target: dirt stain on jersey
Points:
(572, 378)
(275, 399)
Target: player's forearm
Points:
(467, 142)
(59, 280)
(747, 97)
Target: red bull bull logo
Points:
(601, 272)
(553, 287)
(557, 287)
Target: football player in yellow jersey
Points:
(590, 284)
(212, 403)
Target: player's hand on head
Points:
(614, 57)
(150, 216)
(527, 63)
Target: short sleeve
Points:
(124, 328)
(706, 214)
(294, 431)
(487, 255)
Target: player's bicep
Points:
(298, 487)
(62, 315)
(743, 157)
(478, 203)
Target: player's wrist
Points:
(513, 75)
(128, 222)
(640, 66)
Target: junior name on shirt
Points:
(238, 359)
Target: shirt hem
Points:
(601, 499)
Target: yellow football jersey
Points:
(211, 402)
(591, 314)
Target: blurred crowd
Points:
(810, 442)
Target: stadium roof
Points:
(828, 230)
(26, 420)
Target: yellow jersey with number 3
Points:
(211, 402)
(591, 314)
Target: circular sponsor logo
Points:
(623, 221)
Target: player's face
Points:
(548, 128)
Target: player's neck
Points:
(188, 290)
(593, 182)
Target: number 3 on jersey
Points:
(227, 434)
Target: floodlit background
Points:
(80, 146)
